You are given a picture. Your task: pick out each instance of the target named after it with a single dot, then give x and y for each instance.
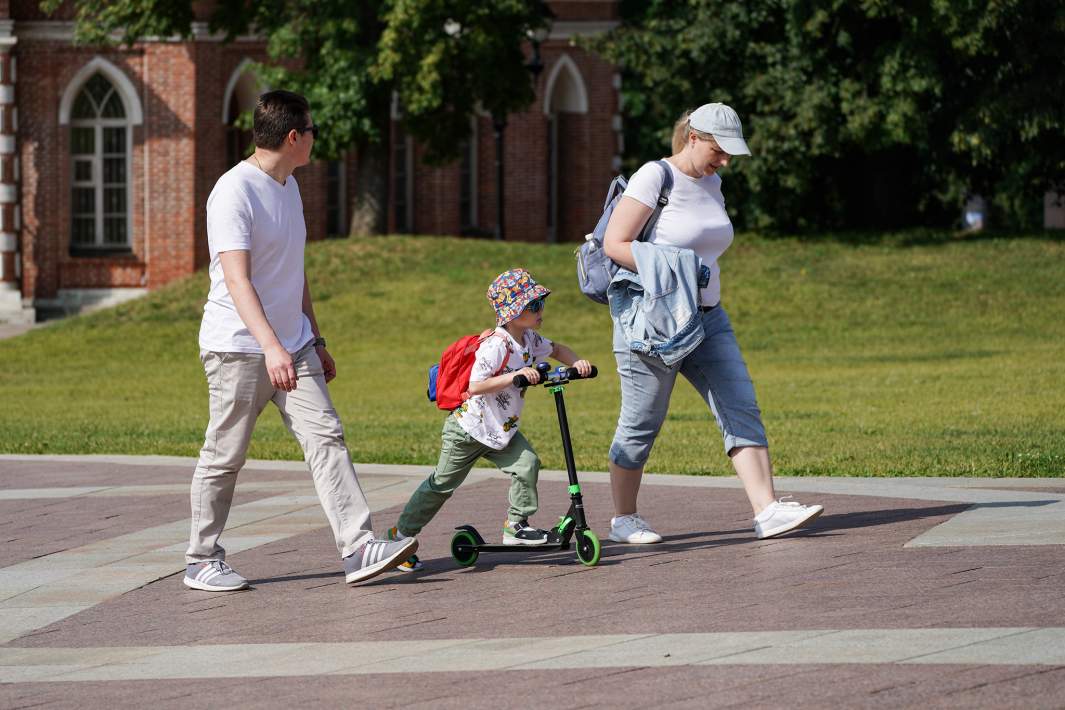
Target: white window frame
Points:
(98, 125)
(131, 103)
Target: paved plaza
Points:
(933, 592)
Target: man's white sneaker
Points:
(213, 576)
(632, 529)
(377, 556)
(782, 515)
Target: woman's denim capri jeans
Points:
(717, 371)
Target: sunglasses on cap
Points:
(535, 306)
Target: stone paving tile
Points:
(33, 528)
(1045, 488)
(45, 474)
(685, 687)
(849, 570)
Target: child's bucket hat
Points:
(511, 292)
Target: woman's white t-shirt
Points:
(249, 210)
(492, 419)
(695, 218)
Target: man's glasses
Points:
(313, 128)
(535, 306)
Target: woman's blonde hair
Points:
(681, 129)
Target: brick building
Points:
(107, 156)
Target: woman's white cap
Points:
(723, 124)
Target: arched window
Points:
(99, 168)
(565, 97)
(242, 94)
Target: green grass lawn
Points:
(901, 355)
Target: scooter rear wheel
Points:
(464, 548)
(588, 548)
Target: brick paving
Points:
(849, 571)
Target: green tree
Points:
(442, 60)
(860, 114)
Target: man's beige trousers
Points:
(239, 389)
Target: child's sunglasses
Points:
(535, 306)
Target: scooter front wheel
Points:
(464, 548)
(588, 548)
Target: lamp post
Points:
(499, 126)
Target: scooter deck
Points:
(554, 542)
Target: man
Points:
(259, 342)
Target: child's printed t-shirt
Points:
(492, 419)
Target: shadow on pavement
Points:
(616, 553)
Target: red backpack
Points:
(449, 381)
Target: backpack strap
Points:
(617, 186)
(506, 342)
(483, 337)
(663, 200)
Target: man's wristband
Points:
(319, 342)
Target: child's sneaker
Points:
(411, 564)
(519, 533)
(779, 517)
(632, 529)
(377, 556)
(213, 576)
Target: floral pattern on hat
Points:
(511, 292)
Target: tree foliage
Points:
(445, 59)
(442, 58)
(859, 113)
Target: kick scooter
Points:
(467, 544)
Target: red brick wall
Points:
(44, 70)
(584, 9)
(436, 198)
(171, 116)
(179, 152)
(587, 145)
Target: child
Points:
(487, 423)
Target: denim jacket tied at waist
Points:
(657, 308)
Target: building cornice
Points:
(7, 33)
(63, 31)
(567, 29)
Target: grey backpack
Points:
(595, 269)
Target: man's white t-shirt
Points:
(249, 210)
(695, 218)
(492, 419)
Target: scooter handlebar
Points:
(552, 377)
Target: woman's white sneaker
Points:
(632, 529)
(783, 515)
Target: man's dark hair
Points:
(277, 113)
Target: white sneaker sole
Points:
(193, 584)
(631, 540)
(395, 560)
(518, 543)
(787, 527)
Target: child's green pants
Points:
(458, 453)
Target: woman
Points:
(695, 219)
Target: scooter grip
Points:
(571, 374)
